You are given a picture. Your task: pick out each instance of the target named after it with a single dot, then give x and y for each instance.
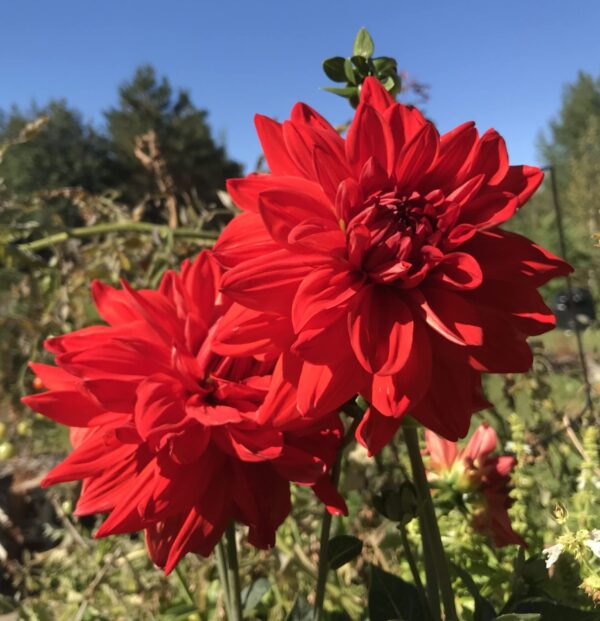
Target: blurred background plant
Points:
(135, 199)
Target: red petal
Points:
(442, 453)
(270, 134)
(450, 315)
(376, 430)
(267, 283)
(368, 136)
(381, 329)
(375, 95)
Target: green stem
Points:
(204, 238)
(323, 566)
(430, 528)
(184, 584)
(414, 570)
(233, 573)
(222, 569)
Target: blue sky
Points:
(502, 64)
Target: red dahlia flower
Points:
(484, 478)
(379, 261)
(178, 439)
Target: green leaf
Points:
(551, 611)
(252, 594)
(519, 617)
(392, 598)
(334, 68)
(363, 44)
(385, 66)
(342, 549)
(301, 611)
(484, 611)
(346, 91)
(349, 71)
(362, 64)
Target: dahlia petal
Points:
(442, 453)
(101, 493)
(91, 458)
(522, 181)
(112, 394)
(279, 406)
(330, 171)
(324, 289)
(395, 395)
(405, 122)
(458, 271)
(381, 329)
(243, 331)
(299, 145)
(521, 258)
(281, 211)
(303, 113)
(299, 466)
(113, 305)
(54, 377)
(449, 315)
(349, 200)
(374, 94)
(318, 236)
(257, 444)
(327, 493)
(416, 157)
(201, 281)
(323, 388)
(244, 238)
(157, 311)
(455, 149)
(368, 136)
(376, 430)
(490, 157)
(481, 443)
(159, 404)
(270, 134)
(489, 209)
(266, 283)
(449, 404)
(245, 191)
(69, 407)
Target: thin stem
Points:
(222, 569)
(184, 584)
(431, 529)
(414, 570)
(323, 566)
(204, 238)
(233, 573)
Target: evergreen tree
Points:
(66, 152)
(194, 162)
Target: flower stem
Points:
(429, 525)
(222, 569)
(415, 573)
(204, 238)
(323, 566)
(233, 575)
(184, 584)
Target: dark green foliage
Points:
(196, 163)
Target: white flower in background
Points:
(552, 553)
(594, 542)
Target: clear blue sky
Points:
(500, 63)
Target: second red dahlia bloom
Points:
(171, 437)
(483, 477)
(378, 260)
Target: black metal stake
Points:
(563, 251)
